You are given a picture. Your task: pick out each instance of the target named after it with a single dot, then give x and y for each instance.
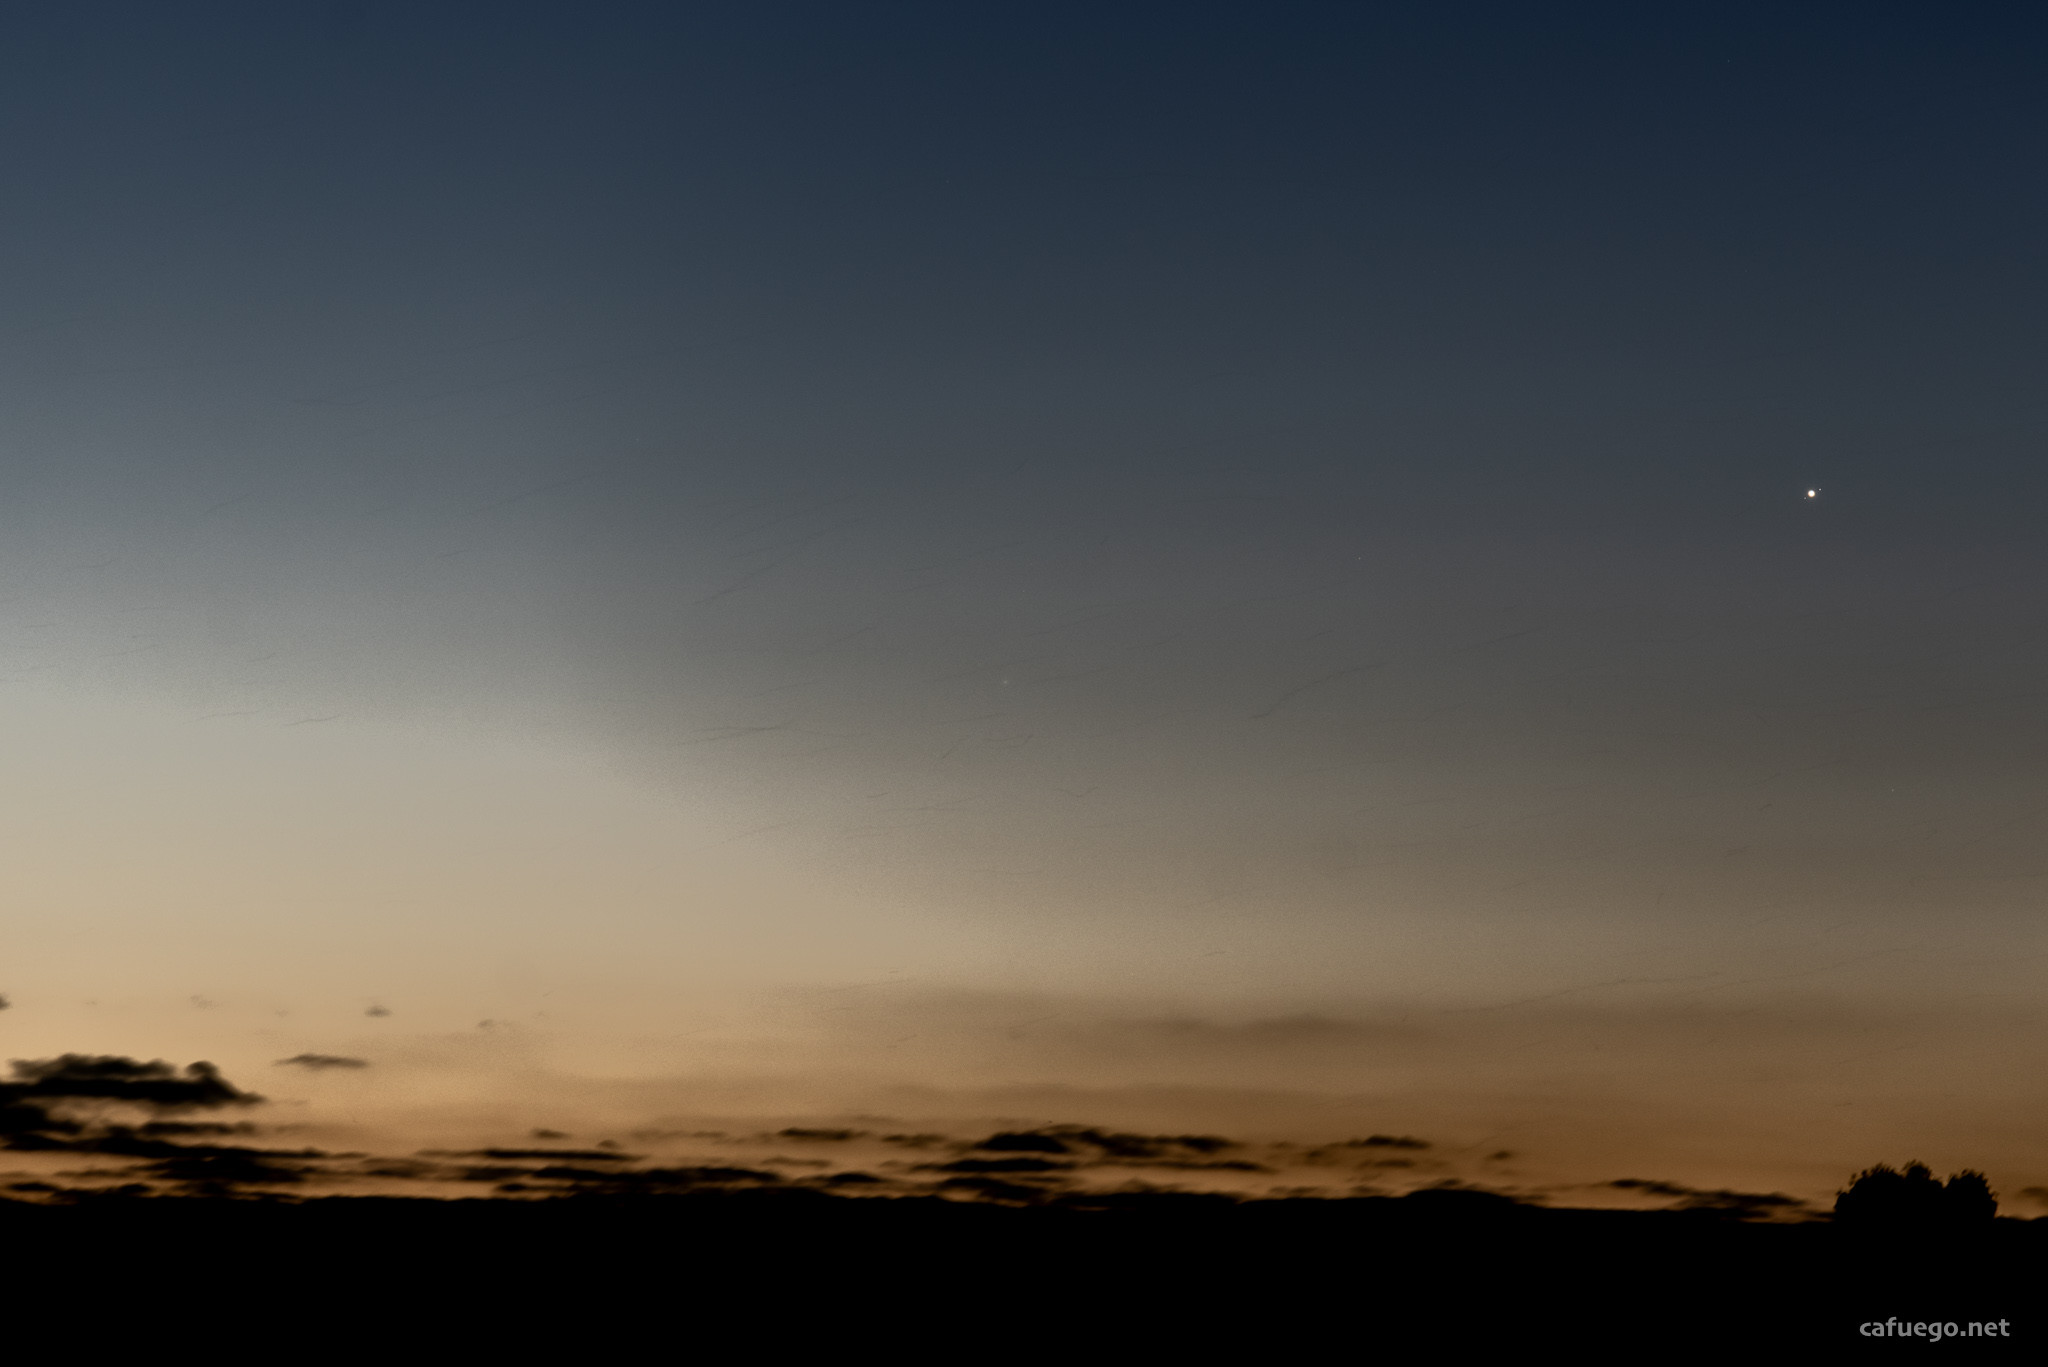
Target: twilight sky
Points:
(1194, 565)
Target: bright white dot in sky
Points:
(1813, 493)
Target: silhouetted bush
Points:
(1885, 1197)
(1970, 1197)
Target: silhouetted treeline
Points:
(579, 1249)
(1144, 1275)
(1886, 1197)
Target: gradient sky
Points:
(1185, 564)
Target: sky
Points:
(1465, 571)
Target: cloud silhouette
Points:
(995, 1189)
(1024, 1142)
(168, 1128)
(560, 1155)
(622, 1181)
(222, 1168)
(1746, 1204)
(109, 1077)
(25, 1125)
(34, 1102)
(321, 1062)
(1720, 1201)
(28, 1120)
(1000, 1165)
(1067, 1139)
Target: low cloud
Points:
(107, 1077)
(37, 1103)
(554, 1155)
(59, 1105)
(1068, 1139)
(1010, 1165)
(1746, 1205)
(559, 1179)
(164, 1129)
(993, 1145)
(217, 1170)
(994, 1189)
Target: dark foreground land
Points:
(1140, 1277)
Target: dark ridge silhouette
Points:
(1883, 1197)
(185, 1214)
(1169, 1272)
(321, 1062)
